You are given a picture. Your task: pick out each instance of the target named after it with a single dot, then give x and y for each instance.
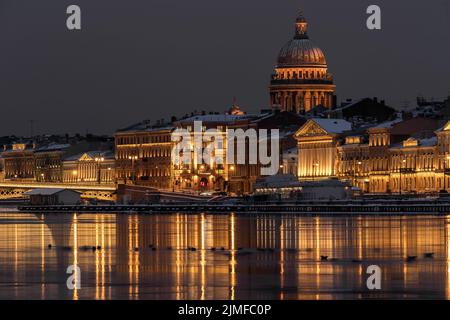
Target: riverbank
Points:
(393, 207)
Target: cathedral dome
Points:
(300, 81)
(300, 51)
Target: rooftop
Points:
(333, 125)
(47, 191)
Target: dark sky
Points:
(149, 59)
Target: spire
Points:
(301, 27)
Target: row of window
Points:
(308, 74)
(142, 139)
(145, 153)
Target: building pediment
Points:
(86, 157)
(310, 129)
(446, 127)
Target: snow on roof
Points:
(445, 127)
(388, 124)
(351, 104)
(218, 118)
(93, 154)
(147, 126)
(277, 181)
(47, 191)
(52, 147)
(333, 125)
(428, 142)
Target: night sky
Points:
(150, 59)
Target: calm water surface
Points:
(266, 257)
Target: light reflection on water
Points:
(264, 257)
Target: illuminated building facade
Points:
(301, 80)
(18, 160)
(210, 176)
(381, 160)
(143, 155)
(58, 162)
(90, 167)
(235, 178)
(48, 162)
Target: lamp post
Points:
(99, 160)
(74, 174)
(401, 169)
(446, 167)
(354, 171)
(315, 169)
(133, 175)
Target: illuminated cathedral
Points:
(301, 81)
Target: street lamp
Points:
(354, 172)
(446, 167)
(133, 159)
(99, 160)
(315, 169)
(74, 174)
(401, 169)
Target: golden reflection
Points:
(202, 257)
(178, 256)
(136, 257)
(318, 254)
(97, 264)
(130, 256)
(232, 256)
(282, 240)
(447, 241)
(75, 257)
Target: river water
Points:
(226, 256)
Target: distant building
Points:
(235, 178)
(33, 162)
(364, 111)
(289, 161)
(48, 162)
(392, 157)
(143, 155)
(53, 196)
(18, 159)
(277, 187)
(90, 167)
